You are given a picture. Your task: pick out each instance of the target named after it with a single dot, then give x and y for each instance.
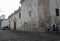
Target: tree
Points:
(2, 17)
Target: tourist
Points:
(54, 27)
(48, 27)
(57, 27)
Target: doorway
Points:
(14, 25)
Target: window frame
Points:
(57, 12)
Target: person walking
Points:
(54, 27)
(48, 26)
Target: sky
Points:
(8, 6)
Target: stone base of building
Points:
(33, 26)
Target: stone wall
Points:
(40, 8)
(43, 12)
(30, 26)
(30, 22)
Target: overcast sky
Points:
(8, 6)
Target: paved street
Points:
(7, 35)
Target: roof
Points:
(22, 1)
(15, 12)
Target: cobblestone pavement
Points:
(8, 35)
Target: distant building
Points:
(2, 17)
(4, 23)
(11, 22)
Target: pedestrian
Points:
(57, 27)
(54, 27)
(48, 26)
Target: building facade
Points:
(36, 13)
(13, 19)
(55, 10)
(33, 15)
(39, 12)
(29, 15)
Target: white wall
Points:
(26, 6)
(12, 20)
(54, 4)
(29, 5)
(52, 9)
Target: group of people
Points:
(54, 27)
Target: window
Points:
(19, 15)
(30, 13)
(57, 12)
